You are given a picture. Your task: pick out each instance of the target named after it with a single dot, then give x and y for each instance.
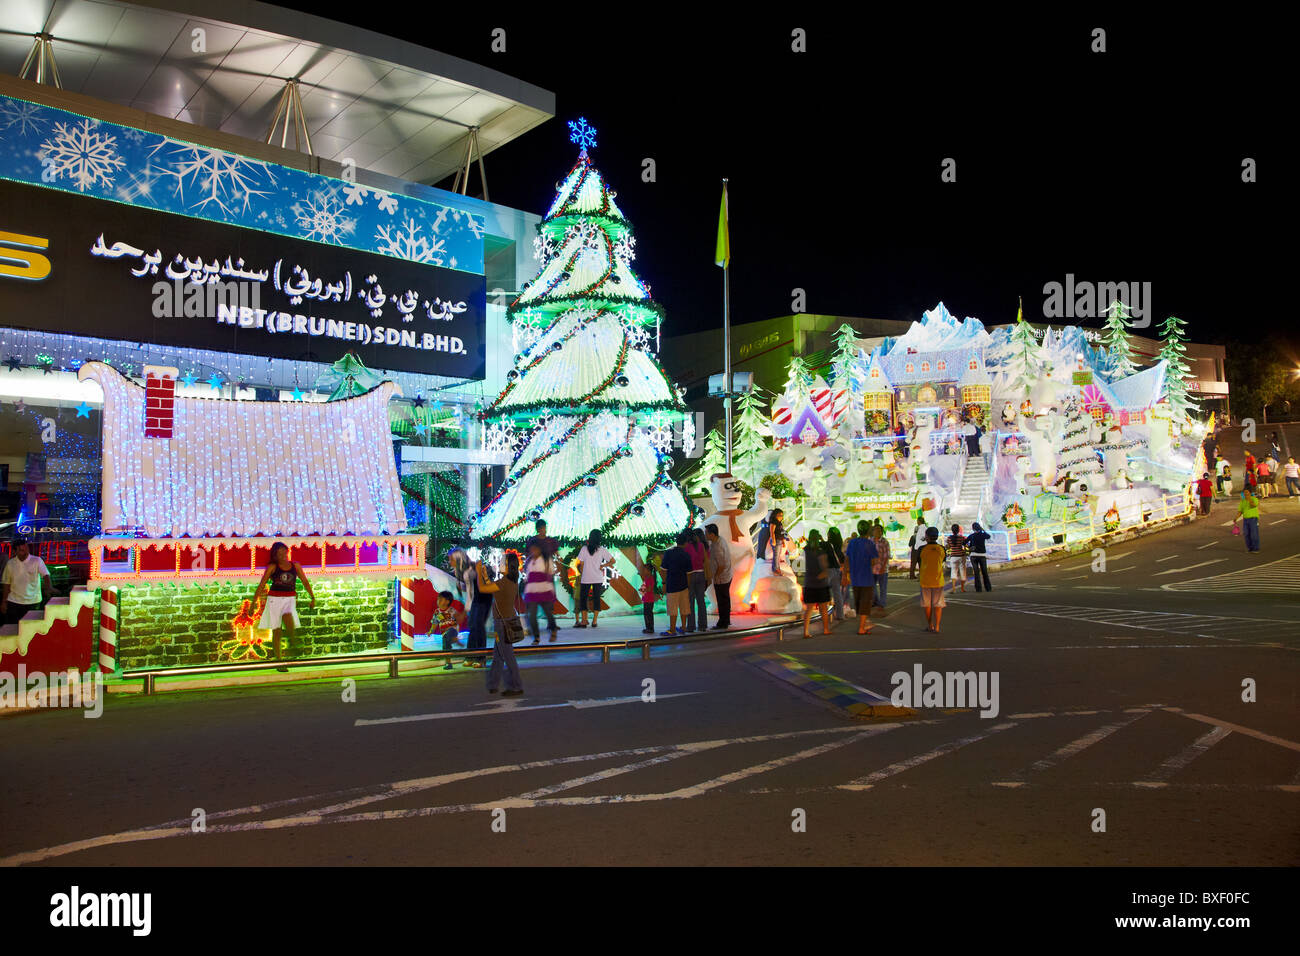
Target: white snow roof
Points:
(249, 468)
(1139, 390)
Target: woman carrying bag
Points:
(816, 582)
(838, 571)
(509, 630)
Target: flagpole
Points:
(726, 330)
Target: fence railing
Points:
(394, 659)
(1042, 536)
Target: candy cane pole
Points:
(108, 630)
(407, 598)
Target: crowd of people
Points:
(1259, 480)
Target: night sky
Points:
(1123, 166)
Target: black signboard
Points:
(85, 266)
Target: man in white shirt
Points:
(25, 585)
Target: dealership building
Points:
(235, 211)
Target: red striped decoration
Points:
(407, 599)
(108, 630)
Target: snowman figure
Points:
(734, 527)
(1121, 481)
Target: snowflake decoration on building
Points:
(660, 432)
(406, 242)
(19, 113)
(222, 178)
(357, 194)
(85, 156)
(499, 437)
(582, 133)
(321, 217)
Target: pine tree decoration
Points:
(1115, 339)
(1077, 455)
(846, 354)
(1027, 360)
(1174, 351)
(587, 406)
(752, 430)
(713, 462)
(799, 378)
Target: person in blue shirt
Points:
(675, 566)
(858, 557)
(977, 541)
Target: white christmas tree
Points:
(1115, 340)
(845, 356)
(1174, 351)
(752, 430)
(601, 458)
(1076, 454)
(1028, 358)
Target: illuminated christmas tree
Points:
(1174, 351)
(587, 410)
(753, 429)
(713, 462)
(1115, 339)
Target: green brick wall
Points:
(164, 625)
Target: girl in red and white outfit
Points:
(281, 610)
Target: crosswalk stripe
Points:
(1185, 756)
(1280, 575)
(1075, 747)
(871, 779)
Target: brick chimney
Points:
(159, 400)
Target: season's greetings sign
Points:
(84, 266)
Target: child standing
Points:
(957, 557)
(648, 570)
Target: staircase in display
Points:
(970, 487)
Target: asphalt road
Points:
(1119, 691)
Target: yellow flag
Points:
(723, 254)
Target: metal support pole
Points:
(604, 654)
(392, 667)
(645, 652)
(726, 335)
(148, 684)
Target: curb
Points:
(833, 692)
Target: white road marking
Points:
(513, 707)
(1204, 546)
(1097, 587)
(1278, 521)
(1169, 558)
(1072, 749)
(1190, 567)
(1185, 756)
(1257, 734)
(871, 779)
